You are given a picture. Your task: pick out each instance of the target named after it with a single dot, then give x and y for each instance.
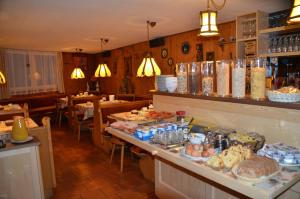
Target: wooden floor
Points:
(83, 171)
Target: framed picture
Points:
(128, 66)
(199, 52)
(170, 61)
(164, 53)
(210, 56)
(185, 47)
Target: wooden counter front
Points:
(207, 174)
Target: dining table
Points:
(63, 101)
(87, 108)
(10, 109)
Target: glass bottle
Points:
(194, 77)
(258, 80)
(239, 78)
(207, 68)
(181, 71)
(222, 71)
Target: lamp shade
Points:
(208, 22)
(148, 67)
(77, 73)
(102, 71)
(294, 16)
(2, 78)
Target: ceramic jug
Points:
(19, 129)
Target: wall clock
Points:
(185, 47)
(164, 53)
(170, 61)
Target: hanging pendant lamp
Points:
(77, 73)
(294, 16)
(2, 78)
(208, 20)
(148, 67)
(102, 69)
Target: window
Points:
(33, 72)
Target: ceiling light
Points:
(295, 13)
(148, 67)
(2, 78)
(103, 70)
(77, 72)
(208, 20)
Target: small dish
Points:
(29, 138)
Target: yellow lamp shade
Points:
(295, 13)
(102, 71)
(77, 74)
(2, 78)
(208, 22)
(148, 67)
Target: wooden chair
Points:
(101, 120)
(43, 134)
(78, 123)
(60, 112)
(9, 115)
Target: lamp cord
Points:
(218, 7)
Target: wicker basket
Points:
(283, 97)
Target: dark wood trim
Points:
(246, 100)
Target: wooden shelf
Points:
(246, 100)
(279, 29)
(283, 54)
(247, 39)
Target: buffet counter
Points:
(204, 177)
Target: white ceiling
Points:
(63, 25)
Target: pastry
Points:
(257, 166)
(215, 162)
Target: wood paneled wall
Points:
(173, 44)
(74, 86)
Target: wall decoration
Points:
(170, 61)
(199, 52)
(128, 66)
(185, 47)
(164, 53)
(210, 56)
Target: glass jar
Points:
(194, 77)
(239, 78)
(207, 68)
(181, 71)
(19, 129)
(222, 71)
(258, 79)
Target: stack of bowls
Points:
(161, 82)
(171, 84)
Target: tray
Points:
(182, 153)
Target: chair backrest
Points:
(9, 115)
(127, 97)
(101, 113)
(43, 134)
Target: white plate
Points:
(182, 153)
(288, 165)
(29, 138)
(262, 178)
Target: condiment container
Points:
(180, 115)
(258, 80)
(181, 72)
(19, 129)
(222, 71)
(207, 68)
(239, 78)
(194, 77)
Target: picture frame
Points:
(199, 52)
(164, 53)
(185, 47)
(170, 61)
(210, 56)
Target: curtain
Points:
(3, 87)
(59, 73)
(33, 72)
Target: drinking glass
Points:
(285, 43)
(291, 43)
(296, 43)
(279, 45)
(274, 45)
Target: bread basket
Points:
(276, 96)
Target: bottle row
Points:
(196, 77)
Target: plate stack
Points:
(161, 82)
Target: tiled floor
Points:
(83, 171)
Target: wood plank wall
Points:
(137, 51)
(173, 44)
